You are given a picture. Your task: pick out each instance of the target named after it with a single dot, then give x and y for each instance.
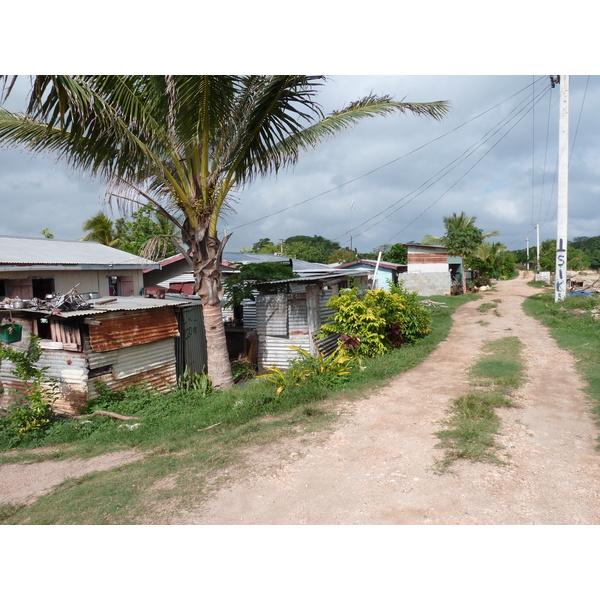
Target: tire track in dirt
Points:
(376, 467)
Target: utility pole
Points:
(560, 275)
(351, 211)
(537, 235)
(527, 240)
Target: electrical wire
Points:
(446, 169)
(376, 169)
(475, 147)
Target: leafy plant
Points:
(370, 324)
(284, 379)
(30, 406)
(197, 382)
(331, 371)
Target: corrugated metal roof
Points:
(35, 251)
(330, 276)
(372, 263)
(117, 303)
(240, 258)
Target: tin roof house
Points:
(34, 268)
(109, 334)
(379, 274)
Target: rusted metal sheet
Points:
(162, 379)
(134, 360)
(119, 330)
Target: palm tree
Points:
(184, 144)
(492, 256)
(455, 222)
(100, 229)
(462, 238)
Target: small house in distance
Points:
(379, 275)
(430, 270)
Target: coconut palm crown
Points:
(184, 145)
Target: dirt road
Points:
(376, 467)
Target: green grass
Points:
(580, 334)
(470, 429)
(192, 441)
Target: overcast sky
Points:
(387, 180)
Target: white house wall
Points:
(428, 268)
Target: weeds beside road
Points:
(197, 437)
(574, 327)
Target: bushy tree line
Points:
(318, 249)
(583, 253)
(145, 233)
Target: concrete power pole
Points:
(537, 256)
(560, 276)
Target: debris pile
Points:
(70, 301)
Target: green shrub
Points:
(197, 382)
(29, 410)
(371, 323)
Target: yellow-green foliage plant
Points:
(331, 370)
(373, 322)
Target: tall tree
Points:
(101, 229)
(185, 144)
(147, 233)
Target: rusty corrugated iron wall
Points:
(119, 330)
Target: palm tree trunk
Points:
(206, 255)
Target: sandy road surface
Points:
(376, 467)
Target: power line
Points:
(475, 147)
(377, 168)
(445, 170)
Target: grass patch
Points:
(192, 441)
(487, 306)
(472, 423)
(578, 333)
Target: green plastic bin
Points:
(11, 333)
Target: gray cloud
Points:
(508, 182)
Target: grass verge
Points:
(192, 443)
(473, 423)
(574, 328)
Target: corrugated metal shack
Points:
(125, 341)
(293, 317)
